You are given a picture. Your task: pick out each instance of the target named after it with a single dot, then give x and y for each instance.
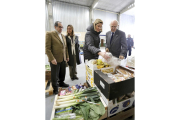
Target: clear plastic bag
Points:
(125, 73)
(70, 116)
(109, 75)
(113, 61)
(63, 111)
(131, 61)
(119, 79)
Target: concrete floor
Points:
(49, 100)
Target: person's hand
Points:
(54, 62)
(121, 57)
(107, 50)
(67, 59)
(103, 54)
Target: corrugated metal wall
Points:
(46, 18)
(106, 17)
(76, 15)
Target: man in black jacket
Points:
(130, 44)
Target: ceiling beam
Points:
(95, 1)
(72, 3)
(91, 16)
(127, 8)
(48, 1)
(106, 11)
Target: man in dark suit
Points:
(116, 41)
(130, 44)
(56, 50)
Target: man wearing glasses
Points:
(56, 50)
(116, 41)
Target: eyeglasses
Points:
(114, 26)
(60, 27)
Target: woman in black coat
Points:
(91, 47)
(73, 51)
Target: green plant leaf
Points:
(99, 109)
(85, 111)
(92, 114)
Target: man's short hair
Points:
(113, 21)
(56, 23)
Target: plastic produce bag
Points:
(71, 116)
(113, 61)
(131, 61)
(63, 111)
(123, 62)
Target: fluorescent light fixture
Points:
(95, 5)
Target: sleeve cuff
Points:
(98, 52)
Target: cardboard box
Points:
(90, 73)
(111, 89)
(114, 107)
(90, 68)
(123, 115)
(118, 107)
(53, 109)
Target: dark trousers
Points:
(58, 73)
(73, 69)
(129, 51)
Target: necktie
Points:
(111, 37)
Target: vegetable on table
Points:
(86, 105)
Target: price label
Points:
(102, 84)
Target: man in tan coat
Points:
(56, 50)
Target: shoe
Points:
(72, 79)
(63, 85)
(76, 78)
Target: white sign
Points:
(78, 34)
(102, 85)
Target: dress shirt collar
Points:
(57, 32)
(112, 32)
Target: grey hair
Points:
(113, 21)
(56, 23)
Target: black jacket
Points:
(77, 49)
(91, 44)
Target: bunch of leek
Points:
(76, 98)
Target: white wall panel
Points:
(106, 17)
(76, 15)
